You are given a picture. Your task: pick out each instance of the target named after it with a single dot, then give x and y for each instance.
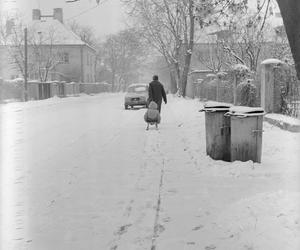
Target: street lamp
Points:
(25, 65)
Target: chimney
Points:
(58, 14)
(36, 14)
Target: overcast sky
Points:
(105, 19)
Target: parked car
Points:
(137, 95)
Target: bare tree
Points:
(87, 35)
(170, 27)
(43, 54)
(85, 32)
(124, 53)
(248, 35)
(280, 47)
(12, 42)
(212, 56)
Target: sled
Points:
(152, 123)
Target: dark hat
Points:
(155, 78)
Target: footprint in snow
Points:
(173, 191)
(210, 247)
(167, 219)
(198, 227)
(123, 229)
(159, 228)
(190, 243)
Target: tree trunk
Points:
(290, 12)
(173, 81)
(184, 76)
(188, 53)
(113, 79)
(177, 70)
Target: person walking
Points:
(157, 92)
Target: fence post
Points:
(267, 84)
(25, 65)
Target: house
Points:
(217, 47)
(54, 52)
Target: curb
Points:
(283, 125)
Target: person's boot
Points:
(147, 126)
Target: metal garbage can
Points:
(217, 128)
(246, 133)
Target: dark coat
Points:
(157, 93)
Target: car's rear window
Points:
(137, 89)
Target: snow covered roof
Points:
(51, 32)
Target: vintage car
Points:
(137, 95)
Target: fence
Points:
(286, 94)
(13, 90)
(215, 88)
(288, 91)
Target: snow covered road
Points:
(82, 173)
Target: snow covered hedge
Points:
(241, 72)
(247, 94)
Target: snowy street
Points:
(82, 173)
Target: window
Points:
(64, 57)
(137, 89)
(53, 76)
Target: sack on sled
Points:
(152, 114)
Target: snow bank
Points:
(284, 118)
(264, 221)
(284, 122)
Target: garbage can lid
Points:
(212, 106)
(246, 111)
(217, 105)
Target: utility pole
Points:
(25, 66)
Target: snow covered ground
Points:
(82, 173)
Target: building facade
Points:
(54, 52)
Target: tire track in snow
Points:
(125, 225)
(189, 158)
(156, 228)
(135, 216)
(125, 220)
